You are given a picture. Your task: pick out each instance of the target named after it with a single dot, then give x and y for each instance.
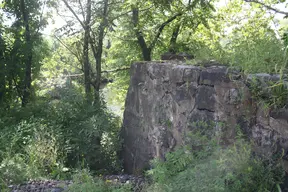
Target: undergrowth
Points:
(215, 168)
(52, 138)
(272, 94)
(84, 182)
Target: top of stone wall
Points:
(212, 72)
(212, 64)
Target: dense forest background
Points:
(64, 70)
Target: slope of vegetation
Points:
(57, 119)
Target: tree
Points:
(20, 62)
(94, 39)
(240, 34)
(28, 56)
(86, 50)
(2, 68)
(97, 51)
(177, 12)
(147, 49)
(87, 29)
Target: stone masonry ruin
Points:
(166, 98)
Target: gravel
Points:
(137, 183)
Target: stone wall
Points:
(166, 99)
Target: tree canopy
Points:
(97, 36)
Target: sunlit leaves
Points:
(18, 47)
(246, 37)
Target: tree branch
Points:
(91, 42)
(127, 12)
(73, 53)
(268, 7)
(83, 13)
(162, 26)
(173, 39)
(116, 70)
(41, 18)
(73, 12)
(107, 71)
(139, 34)
(74, 75)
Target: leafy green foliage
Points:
(49, 136)
(13, 170)
(239, 34)
(24, 49)
(272, 94)
(232, 168)
(30, 149)
(84, 182)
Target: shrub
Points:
(13, 170)
(31, 151)
(232, 168)
(49, 136)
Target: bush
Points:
(257, 54)
(232, 168)
(32, 150)
(50, 136)
(13, 170)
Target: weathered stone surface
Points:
(167, 99)
(191, 74)
(214, 75)
(205, 99)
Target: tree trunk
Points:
(87, 80)
(146, 51)
(27, 56)
(2, 71)
(173, 40)
(98, 54)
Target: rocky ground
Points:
(137, 182)
(41, 186)
(58, 186)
